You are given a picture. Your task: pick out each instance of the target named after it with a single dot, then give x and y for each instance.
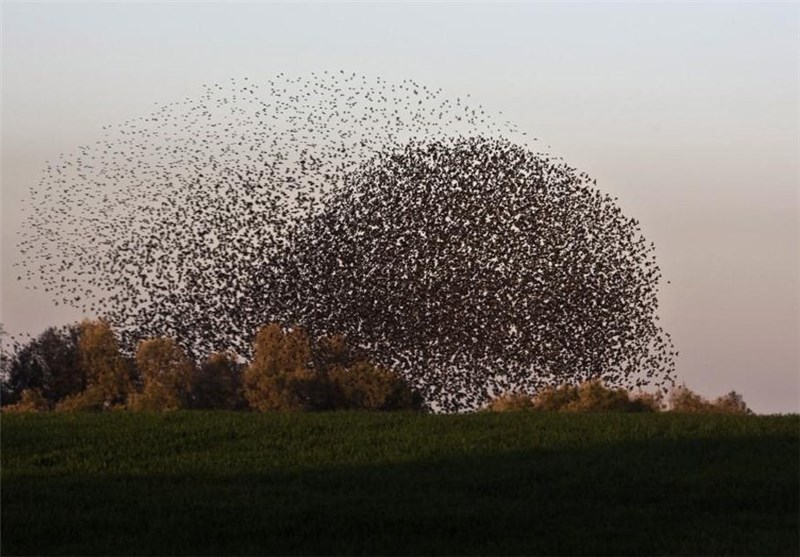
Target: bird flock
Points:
(428, 231)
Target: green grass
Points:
(242, 483)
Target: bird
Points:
(416, 223)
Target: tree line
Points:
(594, 396)
(80, 367)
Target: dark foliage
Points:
(49, 363)
(217, 383)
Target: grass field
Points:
(243, 483)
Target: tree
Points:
(217, 383)
(511, 402)
(280, 376)
(49, 364)
(589, 396)
(354, 382)
(166, 374)
(332, 351)
(109, 377)
(366, 386)
(683, 399)
(594, 396)
(554, 399)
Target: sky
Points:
(688, 112)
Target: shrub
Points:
(647, 402)
(731, 403)
(554, 399)
(682, 399)
(511, 402)
(590, 396)
(30, 400)
(91, 400)
(594, 396)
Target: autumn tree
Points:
(683, 399)
(217, 383)
(354, 382)
(331, 351)
(166, 373)
(511, 402)
(280, 376)
(109, 377)
(589, 396)
(731, 403)
(366, 386)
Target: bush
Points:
(555, 399)
(647, 402)
(155, 398)
(594, 396)
(30, 400)
(511, 402)
(682, 399)
(90, 400)
(589, 396)
(731, 403)
(365, 386)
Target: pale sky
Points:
(688, 112)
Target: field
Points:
(361, 483)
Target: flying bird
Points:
(420, 226)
